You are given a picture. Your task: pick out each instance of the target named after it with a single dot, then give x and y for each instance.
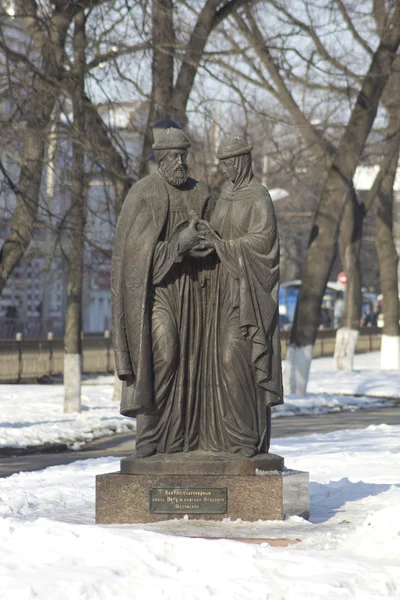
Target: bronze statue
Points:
(196, 337)
(157, 279)
(242, 346)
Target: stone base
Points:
(200, 462)
(147, 498)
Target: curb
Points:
(43, 449)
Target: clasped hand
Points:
(207, 234)
(197, 239)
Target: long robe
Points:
(177, 331)
(157, 313)
(243, 376)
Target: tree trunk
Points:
(388, 265)
(42, 99)
(162, 71)
(73, 324)
(191, 61)
(386, 249)
(167, 99)
(350, 246)
(106, 154)
(336, 191)
(28, 192)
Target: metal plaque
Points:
(188, 500)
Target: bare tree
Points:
(382, 192)
(76, 226)
(388, 268)
(387, 253)
(342, 160)
(41, 55)
(175, 49)
(46, 64)
(321, 144)
(336, 192)
(169, 95)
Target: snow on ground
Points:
(367, 378)
(350, 548)
(32, 415)
(330, 391)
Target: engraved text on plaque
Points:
(188, 500)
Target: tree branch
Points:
(209, 18)
(309, 131)
(321, 49)
(17, 57)
(380, 15)
(264, 85)
(113, 54)
(347, 90)
(107, 154)
(350, 25)
(227, 10)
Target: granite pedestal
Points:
(201, 485)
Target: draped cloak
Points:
(140, 225)
(243, 375)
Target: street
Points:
(123, 444)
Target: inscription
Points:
(188, 500)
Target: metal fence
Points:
(32, 360)
(369, 340)
(36, 359)
(30, 329)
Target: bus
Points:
(335, 290)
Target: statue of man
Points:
(157, 296)
(243, 362)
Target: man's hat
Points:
(171, 139)
(233, 146)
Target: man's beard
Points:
(174, 176)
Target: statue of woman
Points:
(242, 376)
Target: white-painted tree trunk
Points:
(390, 352)
(117, 389)
(345, 347)
(72, 382)
(297, 369)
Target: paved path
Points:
(123, 444)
